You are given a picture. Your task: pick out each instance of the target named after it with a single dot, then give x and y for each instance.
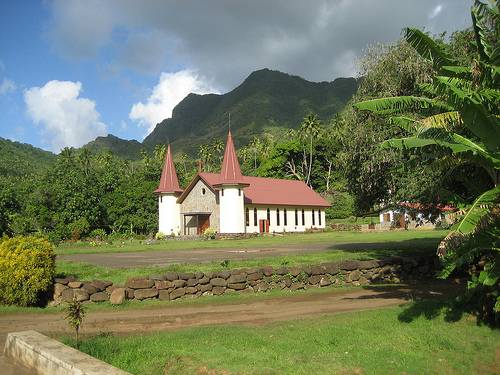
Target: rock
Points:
(363, 280)
(64, 280)
(75, 284)
(141, 294)
(224, 274)
(204, 287)
(267, 271)
(157, 277)
(186, 275)
(117, 296)
(354, 276)
(318, 270)
(239, 278)
(218, 281)
(67, 295)
(237, 286)
(255, 276)
(325, 281)
(129, 293)
(171, 276)
(139, 283)
(179, 283)
(262, 287)
(163, 284)
(191, 290)
(218, 290)
(176, 293)
(367, 264)
(164, 295)
(297, 286)
(295, 271)
(81, 295)
(314, 279)
(99, 297)
(281, 271)
(89, 288)
(58, 289)
(204, 280)
(110, 288)
(199, 275)
(331, 268)
(349, 265)
(287, 282)
(192, 282)
(101, 284)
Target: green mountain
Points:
(19, 159)
(120, 147)
(266, 99)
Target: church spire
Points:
(230, 172)
(169, 182)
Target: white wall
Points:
(168, 214)
(290, 227)
(232, 212)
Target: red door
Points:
(203, 223)
(264, 226)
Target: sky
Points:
(72, 70)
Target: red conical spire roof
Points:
(230, 172)
(169, 182)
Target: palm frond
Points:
(446, 120)
(398, 104)
(479, 208)
(405, 123)
(428, 48)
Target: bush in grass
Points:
(27, 266)
(209, 233)
(79, 228)
(98, 234)
(160, 236)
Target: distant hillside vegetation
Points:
(18, 159)
(266, 99)
(120, 147)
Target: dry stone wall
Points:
(174, 285)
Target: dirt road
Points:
(259, 311)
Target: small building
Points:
(231, 203)
(414, 215)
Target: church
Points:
(231, 203)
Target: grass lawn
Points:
(268, 241)
(386, 341)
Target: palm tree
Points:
(85, 159)
(310, 129)
(460, 113)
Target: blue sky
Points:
(71, 70)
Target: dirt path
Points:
(258, 311)
(164, 258)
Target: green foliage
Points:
(27, 267)
(342, 206)
(209, 233)
(75, 313)
(122, 148)
(160, 236)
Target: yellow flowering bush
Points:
(27, 266)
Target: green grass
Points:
(369, 342)
(267, 241)
(414, 245)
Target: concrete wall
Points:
(290, 222)
(169, 214)
(197, 201)
(45, 356)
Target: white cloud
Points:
(66, 118)
(7, 86)
(435, 12)
(170, 90)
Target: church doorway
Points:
(264, 226)
(195, 223)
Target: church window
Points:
(319, 217)
(284, 218)
(296, 217)
(313, 218)
(203, 191)
(255, 216)
(239, 192)
(222, 192)
(277, 216)
(161, 198)
(247, 217)
(303, 217)
(269, 216)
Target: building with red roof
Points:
(230, 202)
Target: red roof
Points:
(272, 191)
(230, 171)
(169, 183)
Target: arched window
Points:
(269, 216)
(277, 216)
(296, 217)
(303, 217)
(313, 218)
(284, 217)
(247, 217)
(319, 217)
(255, 217)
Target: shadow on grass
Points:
(420, 246)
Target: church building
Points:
(231, 203)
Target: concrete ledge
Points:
(45, 356)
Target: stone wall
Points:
(174, 285)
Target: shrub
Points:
(99, 234)
(79, 228)
(27, 266)
(209, 233)
(160, 236)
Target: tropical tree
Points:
(459, 114)
(310, 130)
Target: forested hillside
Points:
(20, 158)
(123, 148)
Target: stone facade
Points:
(200, 199)
(173, 285)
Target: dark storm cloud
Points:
(224, 40)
